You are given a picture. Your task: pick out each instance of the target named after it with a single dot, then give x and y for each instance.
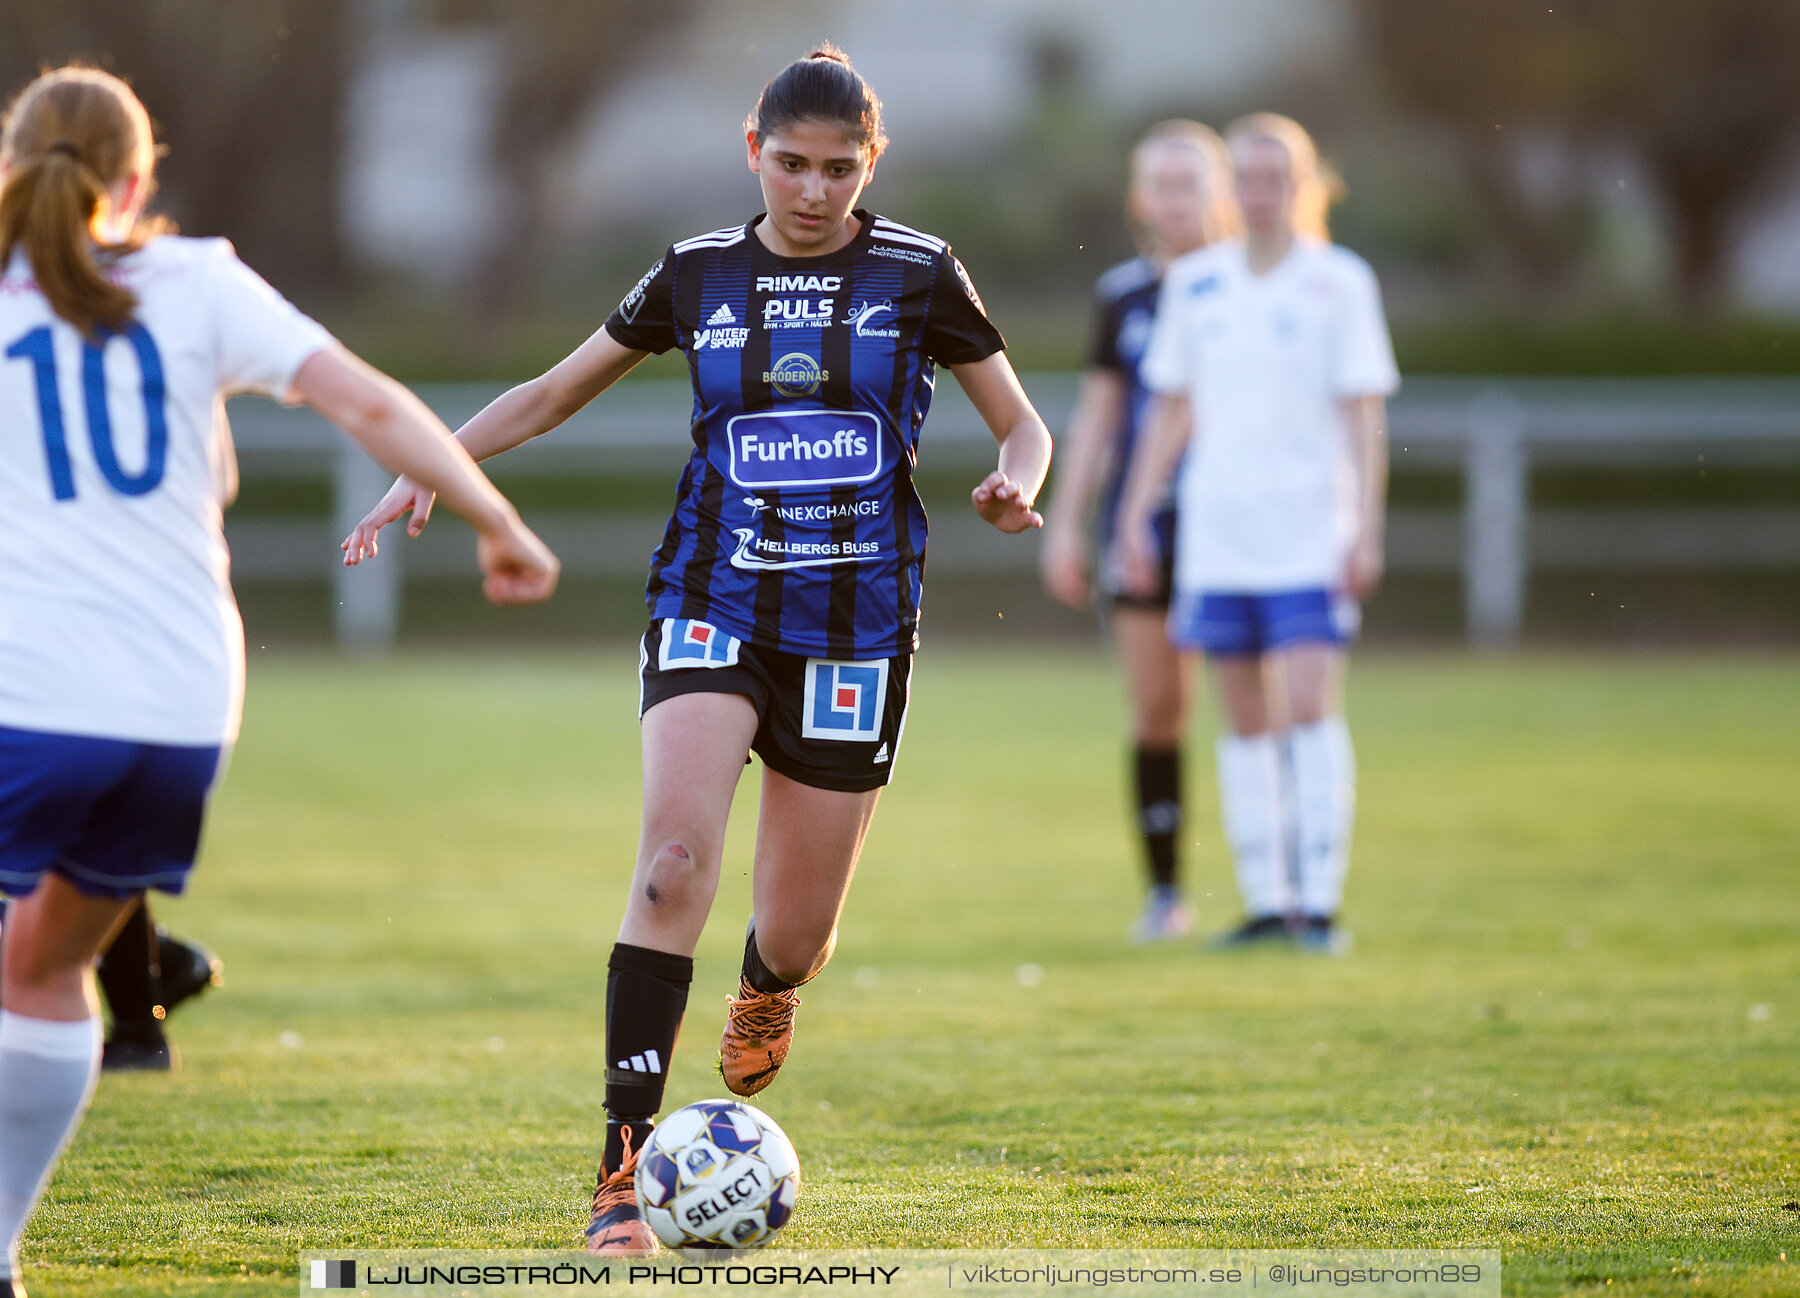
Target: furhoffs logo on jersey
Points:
(804, 448)
(796, 375)
(687, 643)
(844, 700)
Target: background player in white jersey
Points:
(1179, 200)
(1271, 354)
(121, 652)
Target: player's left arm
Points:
(1006, 496)
(1364, 419)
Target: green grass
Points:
(1569, 1030)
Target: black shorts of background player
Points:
(784, 598)
(1179, 200)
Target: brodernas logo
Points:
(804, 448)
(796, 375)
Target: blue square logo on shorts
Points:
(844, 700)
(687, 643)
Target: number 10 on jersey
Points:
(38, 348)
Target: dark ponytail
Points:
(822, 87)
(67, 138)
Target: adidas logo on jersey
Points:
(722, 316)
(648, 1062)
(881, 755)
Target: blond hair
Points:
(1316, 185)
(69, 136)
(1221, 221)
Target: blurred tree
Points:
(560, 57)
(1703, 93)
(248, 96)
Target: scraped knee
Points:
(672, 877)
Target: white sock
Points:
(1250, 801)
(47, 1073)
(1324, 810)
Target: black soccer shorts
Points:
(826, 723)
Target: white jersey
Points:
(1267, 494)
(116, 613)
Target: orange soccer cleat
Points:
(616, 1226)
(757, 1037)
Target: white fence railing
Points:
(1492, 431)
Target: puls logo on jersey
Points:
(861, 315)
(799, 283)
(797, 313)
(804, 448)
(844, 700)
(634, 300)
(687, 643)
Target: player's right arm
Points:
(510, 419)
(1168, 427)
(402, 434)
(1099, 414)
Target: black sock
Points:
(646, 995)
(1158, 774)
(612, 1157)
(131, 977)
(756, 973)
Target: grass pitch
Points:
(1569, 1030)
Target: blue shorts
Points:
(1234, 625)
(111, 816)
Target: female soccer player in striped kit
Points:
(121, 653)
(1180, 200)
(1271, 354)
(784, 599)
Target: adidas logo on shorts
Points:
(722, 316)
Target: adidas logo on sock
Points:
(881, 755)
(723, 315)
(648, 1062)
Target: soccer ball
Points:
(717, 1175)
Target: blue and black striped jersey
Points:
(1125, 310)
(796, 523)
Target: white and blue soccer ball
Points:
(717, 1175)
